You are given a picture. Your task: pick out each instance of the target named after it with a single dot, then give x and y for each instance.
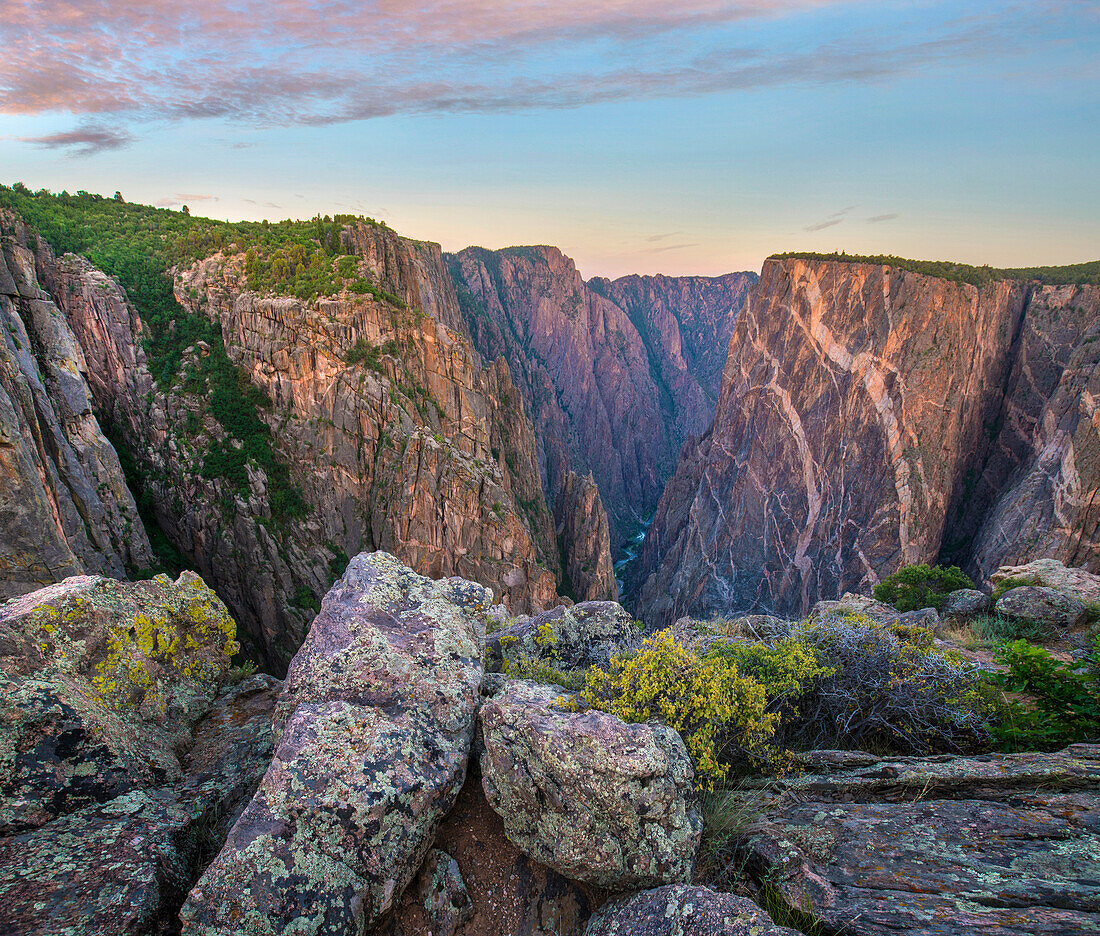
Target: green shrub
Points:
(920, 586)
(991, 629)
(719, 713)
(1063, 699)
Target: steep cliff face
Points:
(1043, 471)
(611, 379)
(65, 508)
(581, 366)
(585, 540)
(388, 433)
(686, 323)
(854, 401)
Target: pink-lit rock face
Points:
(871, 418)
(615, 374)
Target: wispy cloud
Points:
(669, 247)
(280, 62)
(85, 140)
(820, 226)
(878, 219)
(183, 199)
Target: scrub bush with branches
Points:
(900, 694)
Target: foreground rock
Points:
(577, 637)
(680, 910)
(102, 682)
(375, 724)
(965, 602)
(124, 756)
(1045, 605)
(590, 796)
(1050, 573)
(1007, 845)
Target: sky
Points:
(672, 136)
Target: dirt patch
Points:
(511, 894)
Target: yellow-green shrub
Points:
(704, 698)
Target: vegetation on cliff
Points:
(139, 245)
(1073, 273)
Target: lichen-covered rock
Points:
(1051, 573)
(102, 682)
(124, 866)
(681, 910)
(376, 720)
(964, 602)
(592, 797)
(583, 635)
(443, 893)
(1007, 844)
(856, 604)
(1046, 605)
(97, 844)
(105, 869)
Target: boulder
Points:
(681, 910)
(1003, 844)
(125, 751)
(111, 868)
(1050, 573)
(856, 604)
(101, 683)
(374, 727)
(1047, 605)
(925, 617)
(580, 636)
(592, 797)
(965, 602)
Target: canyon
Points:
(396, 481)
(492, 414)
(872, 417)
(615, 374)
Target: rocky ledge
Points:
(393, 787)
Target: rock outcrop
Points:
(414, 446)
(593, 798)
(1002, 844)
(681, 910)
(65, 508)
(1048, 606)
(573, 638)
(125, 752)
(860, 406)
(374, 727)
(585, 541)
(1050, 573)
(612, 383)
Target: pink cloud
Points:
(278, 62)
